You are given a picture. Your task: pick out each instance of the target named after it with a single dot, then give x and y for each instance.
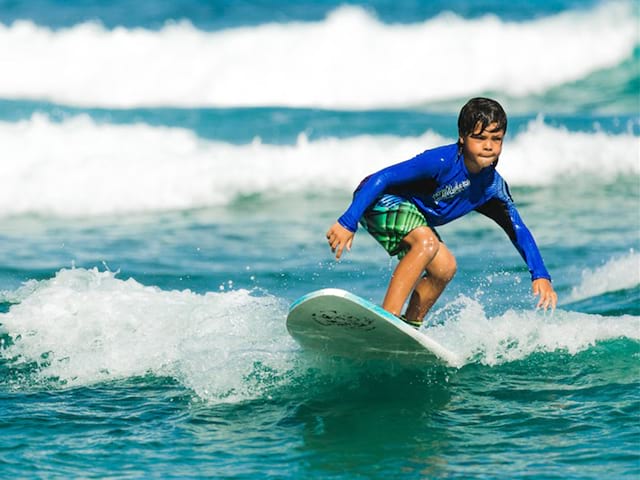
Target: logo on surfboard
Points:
(331, 318)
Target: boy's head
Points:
(481, 127)
(479, 113)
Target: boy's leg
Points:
(439, 273)
(423, 247)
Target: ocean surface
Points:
(169, 170)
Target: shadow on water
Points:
(383, 420)
(345, 420)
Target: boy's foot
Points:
(414, 323)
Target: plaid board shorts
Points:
(391, 219)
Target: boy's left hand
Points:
(548, 296)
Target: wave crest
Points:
(83, 168)
(83, 327)
(619, 273)
(516, 335)
(350, 60)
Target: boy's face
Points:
(482, 148)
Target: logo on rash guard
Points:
(451, 190)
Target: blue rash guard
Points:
(439, 184)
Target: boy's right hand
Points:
(339, 238)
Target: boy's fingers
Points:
(542, 300)
(338, 242)
(547, 297)
(545, 304)
(547, 300)
(554, 300)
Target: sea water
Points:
(169, 170)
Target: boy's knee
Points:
(423, 239)
(445, 268)
(450, 270)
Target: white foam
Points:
(516, 335)
(86, 326)
(348, 60)
(83, 168)
(618, 273)
(544, 154)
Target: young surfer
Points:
(400, 205)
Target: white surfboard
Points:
(337, 322)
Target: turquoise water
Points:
(169, 173)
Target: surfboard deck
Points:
(337, 322)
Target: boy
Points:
(401, 204)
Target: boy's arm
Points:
(373, 186)
(505, 214)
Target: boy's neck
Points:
(472, 168)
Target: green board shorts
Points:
(391, 219)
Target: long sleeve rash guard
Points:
(439, 184)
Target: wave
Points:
(620, 273)
(83, 168)
(350, 60)
(83, 327)
(155, 14)
(516, 335)
(86, 326)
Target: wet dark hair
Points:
(484, 111)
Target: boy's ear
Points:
(461, 140)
